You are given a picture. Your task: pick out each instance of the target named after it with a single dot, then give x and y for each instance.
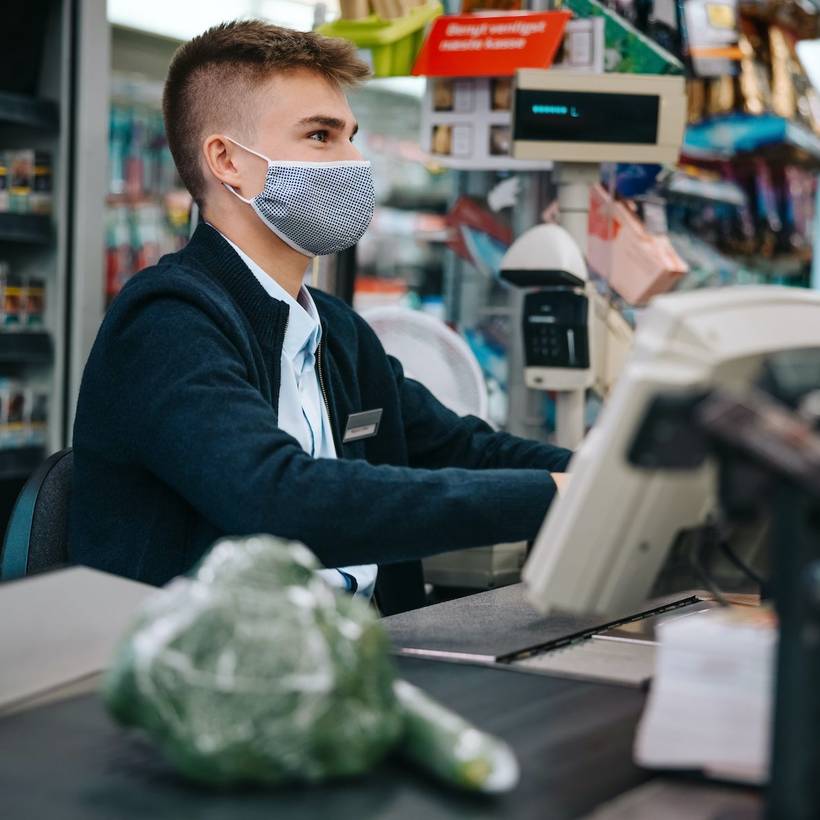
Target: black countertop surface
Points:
(573, 741)
(496, 624)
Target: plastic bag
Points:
(255, 670)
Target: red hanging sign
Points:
(490, 45)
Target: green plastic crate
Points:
(393, 44)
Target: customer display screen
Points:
(585, 116)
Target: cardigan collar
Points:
(268, 316)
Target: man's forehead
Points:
(306, 92)
(300, 98)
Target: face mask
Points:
(317, 208)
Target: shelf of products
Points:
(18, 109)
(739, 136)
(23, 418)
(29, 347)
(741, 206)
(739, 209)
(147, 208)
(691, 186)
(34, 229)
(26, 185)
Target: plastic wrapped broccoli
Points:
(253, 670)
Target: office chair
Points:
(37, 534)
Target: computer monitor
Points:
(606, 537)
(592, 118)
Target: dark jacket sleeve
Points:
(181, 404)
(437, 437)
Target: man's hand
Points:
(561, 480)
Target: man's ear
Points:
(219, 154)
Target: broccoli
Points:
(254, 670)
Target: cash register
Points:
(606, 538)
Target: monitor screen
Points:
(585, 116)
(606, 538)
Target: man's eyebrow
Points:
(328, 122)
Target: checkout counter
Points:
(65, 758)
(563, 688)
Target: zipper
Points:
(284, 333)
(320, 371)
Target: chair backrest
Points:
(433, 354)
(37, 533)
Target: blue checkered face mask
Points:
(317, 208)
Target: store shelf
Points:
(25, 347)
(406, 199)
(781, 267)
(34, 229)
(683, 186)
(739, 136)
(20, 462)
(17, 109)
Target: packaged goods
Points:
(13, 301)
(34, 302)
(253, 670)
(42, 184)
(4, 182)
(21, 179)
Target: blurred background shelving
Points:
(51, 112)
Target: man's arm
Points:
(182, 405)
(437, 437)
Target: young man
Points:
(221, 396)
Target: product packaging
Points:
(784, 95)
(34, 302)
(628, 50)
(712, 37)
(253, 670)
(696, 101)
(42, 184)
(36, 415)
(12, 414)
(353, 9)
(21, 180)
(26, 181)
(637, 264)
(770, 224)
(722, 96)
(13, 302)
(754, 80)
(4, 181)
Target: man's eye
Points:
(319, 136)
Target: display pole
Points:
(574, 181)
(569, 414)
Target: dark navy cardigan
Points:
(176, 441)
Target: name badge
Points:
(362, 425)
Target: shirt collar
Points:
(303, 330)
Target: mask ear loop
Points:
(250, 151)
(238, 195)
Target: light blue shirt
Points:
(302, 410)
